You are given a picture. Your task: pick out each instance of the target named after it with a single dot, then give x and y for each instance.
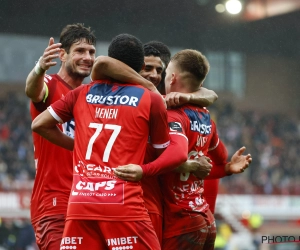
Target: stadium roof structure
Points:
(263, 26)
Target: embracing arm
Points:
(202, 97)
(107, 67)
(200, 167)
(167, 161)
(45, 125)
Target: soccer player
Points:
(172, 100)
(76, 51)
(188, 222)
(165, 55)
(113, 121)
(152, 71)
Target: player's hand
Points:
(175, 99)
(203, 167)
(130, 172)
(50, 53)
(239, 162)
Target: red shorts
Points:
(157, 222)
(202, 239)
(49, 231)
(109, 235)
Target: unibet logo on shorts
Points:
(122, 242)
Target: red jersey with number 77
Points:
(113, 122)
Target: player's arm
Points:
(200, 167)
(202, 97)
(35, 87)
(106, 67)
(219, 155)
(167, 161)
(222, 168)
(167, 126)
(174, 155)
(165, 148)
(238, 162)
(45, 125)
(59, 112)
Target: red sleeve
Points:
(159, 130)
(175, 154)
(219, 156)
(62, 110)
(51, 83)
(211, 188)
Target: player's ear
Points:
(173, 79)
(63, 55)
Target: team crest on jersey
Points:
(199, 121)
(175, 126)
(110, 94)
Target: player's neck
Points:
(73, 81)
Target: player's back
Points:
(183, 192)
(201, 130)
(116, 116)
(114, 120)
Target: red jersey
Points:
(185, 209)
(113, 122)
(152, 191)
(53, 178)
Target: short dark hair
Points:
(73, 33)
(151, 51)
(165, 53)
(127, 49)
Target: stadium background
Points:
(255, 70)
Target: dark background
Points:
(186, 23)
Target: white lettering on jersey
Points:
(106, 113)
(91, 186)
(93, 170)
(201, 128)
(201, 141)
(112, 100)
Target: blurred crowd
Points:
(16, 234)
(272, 139)
(274, 143)
(17, 168)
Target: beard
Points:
(75, 73)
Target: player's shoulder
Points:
(156, 99)
(178, 112)
(53, 80)
(205, 110)
(197, 109)
(50, 78)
